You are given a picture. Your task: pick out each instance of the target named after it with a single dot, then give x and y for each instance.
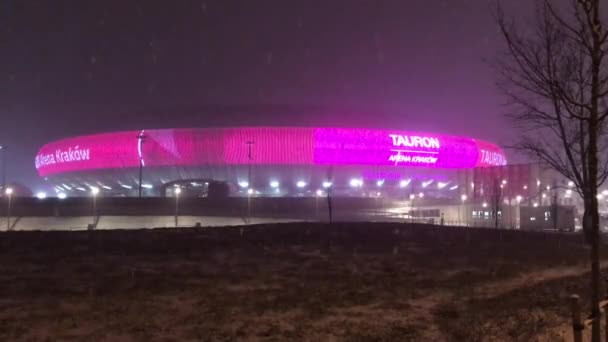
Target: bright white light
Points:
(454, 188)
(79, 188)
(600, 196)
(126, 186)
(412, 196)
(106, 187)
(463, 198)
(244, 184)
(504, 182)
(548, 187)
(319, 192)
(535, 205)
(605, 192)
(570, 183)
(250, 191)
(356, 183)
(301, 184)
(67, 187)
(378, 194)
(538, 182)
(568, 193)
(94, 190)
(421, 195)
(327, 184)
(441, 185)
(544, 195)
(147, 186)
(518, 199)
(525, 187)
(274, 184)
(380, 182)
(62, 195)
(427, 183)
(41, 195)
(8, 191)
(177, 191)
(485, 205)
(404, 183)
(472, 184)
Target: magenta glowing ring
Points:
(273, 146)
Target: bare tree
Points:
(554, 75)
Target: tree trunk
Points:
(596, 58)
(587, 230)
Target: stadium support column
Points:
(141, 138)
(249, 160)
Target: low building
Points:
(555, 217)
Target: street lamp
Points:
(177, 192)
(249, 193)
(412, 197)
(319, 194)
(3, 150)
(94, 192)
(9, 195)
(463, 198)
(518, 199)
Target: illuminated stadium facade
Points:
(268, 161)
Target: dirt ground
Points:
(290, 282)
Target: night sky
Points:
(77, 67)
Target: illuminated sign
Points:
(414, 141)
(71, 154)
(492, 158)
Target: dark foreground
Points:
(292, 282)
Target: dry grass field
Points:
(290, 282)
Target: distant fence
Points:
(295, 207)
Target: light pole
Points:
(319, 194)
(177, 192)
(9, 195)
(518, 222)
(249, 193)
(94, 192)
(412, 196)
(3, 150)
(463, 198)
(141, 138)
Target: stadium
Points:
(266, 161)
(414, 175)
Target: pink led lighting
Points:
(272, 146)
